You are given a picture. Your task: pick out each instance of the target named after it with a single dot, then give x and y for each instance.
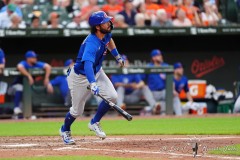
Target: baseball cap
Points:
(156, 52)
(68, 62)
(178, 65)
(30, 54)
(11, 7)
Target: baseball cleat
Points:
(17, 110)
(97, 129)
(66, 136)
(157, 109)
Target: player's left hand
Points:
(121, 61)
(94, 88)
(46, 81)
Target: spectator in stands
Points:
(210, 15)
(149, 16)
(131, 88)
(89, 9)
(61, 82)
(139, 20)
(61, 3)
(2, 61)
(162, 19)
(112, 7)
(169, 8)
(151, 7)
(136, 3)
(16, 22)
(5, 16)
(54, 20)
(181, 20)
(35, 22)
(156, 82)
(16, 88)
(128, 12)
(77, 22)
(4, 3)
(23, 2)
(180, 83)
(119, 21)
(192, 12)
(12, 7)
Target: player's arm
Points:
(186, 89)
(24, 72)
(189, 97)
(48, 69)
(2, 64)
(113, 49)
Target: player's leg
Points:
(18, 91)
(160, 96)
(236, 108)
(177, 106)
(108, 91)
(120, 99)
(79, 93)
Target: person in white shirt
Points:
(5, 17)
(181, 20)
(54, 20)
(78, 22)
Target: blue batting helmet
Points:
(98, 17)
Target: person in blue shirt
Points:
(17, 87)
(157, 82)
(2, 61)
(130, 88)
(180, 83)
(128, 12)
(61, 82)
(87, 72)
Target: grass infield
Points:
(148, 126)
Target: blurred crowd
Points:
(139, 13)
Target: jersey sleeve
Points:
(56, 81)
(115, 79)
(24, 64)
(137, 78)
(89, 53)
(40, 64)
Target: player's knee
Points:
(75, 113)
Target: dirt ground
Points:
(152, 147)
(142, 146)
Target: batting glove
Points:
(94, 88)
(120, 60)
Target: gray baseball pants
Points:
(80, 94)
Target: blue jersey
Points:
(156, 82)
(24, 63)
(181, 84)
(61, 82)
(2, 57)
(126, 78)
(92, 49)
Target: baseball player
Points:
(17, 87)
(157, 82)
(130, 88)
(87, 71)
(61, 82)
(181, 83)
(2, 60)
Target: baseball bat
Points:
(115, 107)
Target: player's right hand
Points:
(30, 80)
(121, 61)
(94, 88)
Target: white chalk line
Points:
(18, 145)
(146, 152)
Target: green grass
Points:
(69, 158)
(227, 150)
(170, 126)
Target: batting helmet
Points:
(98, 17)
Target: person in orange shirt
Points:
(112, 7)
(191, 12)
(169, 8)
(89, 9)
(151, 8)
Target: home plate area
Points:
(139, 147)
